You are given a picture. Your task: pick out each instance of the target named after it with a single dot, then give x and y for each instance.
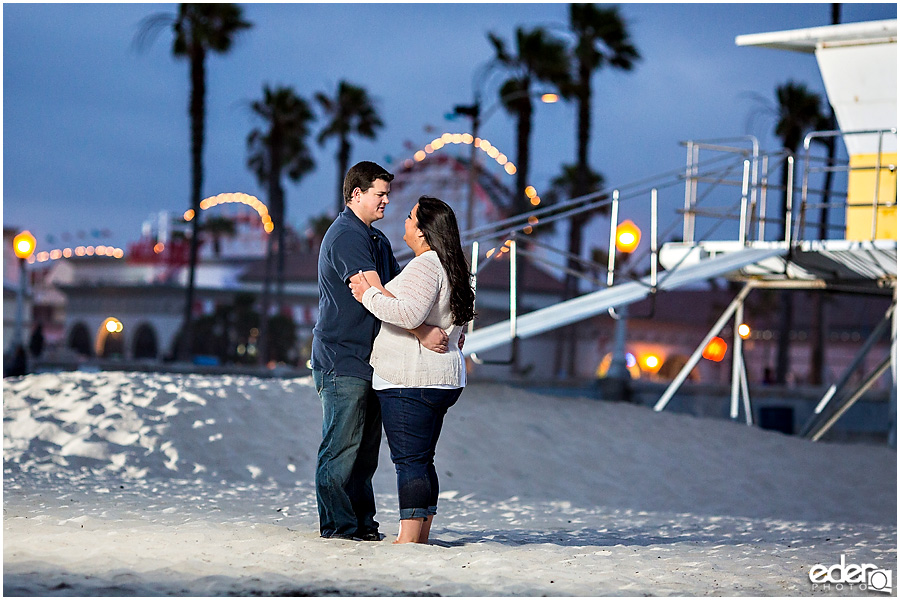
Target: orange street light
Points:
(23, 244)
(651, 362)
(113, 325)
(628, 236)
(715, 349)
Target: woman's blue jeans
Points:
(348, 455)
(412, 421)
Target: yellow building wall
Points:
(861, 191)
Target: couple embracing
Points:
(386, 348)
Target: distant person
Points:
(341, 347)
(36, 344)
(19, 364)
(415, 387)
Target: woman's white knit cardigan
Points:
(422, 296)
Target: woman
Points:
(416, 386)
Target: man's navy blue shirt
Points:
(345, 330)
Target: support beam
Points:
(695, 357)
(745, 389)
(832, 391)
(737, 360)
(817, 432)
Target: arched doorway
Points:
(145, 344)
(80, 339)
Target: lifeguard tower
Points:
(858, 63)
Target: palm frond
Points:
(148, 29)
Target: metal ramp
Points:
(589, 305)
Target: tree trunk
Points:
(817, 339)
(273, 246)
(262, 342)
(343, 159)
(584, 127)
(567, 344)
(279, 291)
(576, 230)
(280, 211)
(197, 113)
(523, 150)
(817, 356)
(783, 360)
(577, 223)
(519, 205)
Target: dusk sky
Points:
(96, 133)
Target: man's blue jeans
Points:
(413, 418)
(348, 455)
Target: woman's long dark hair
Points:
(438, 223)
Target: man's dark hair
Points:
(362, 175)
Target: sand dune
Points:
(148, 484)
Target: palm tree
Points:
(280, 149)
(199, 29)
(350, 111)
(799, 111)
(601, 39)
(217, 228)
(318, 226)
(539, 58)
(817, 339)
(569, 184)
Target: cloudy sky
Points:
(96, 133)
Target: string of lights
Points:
(236, 197)
(114, 252)
(59, 253)
(483, 145)
(493, 152)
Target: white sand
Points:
(149, 484)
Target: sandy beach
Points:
(149, 484)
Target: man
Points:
(342, 344)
